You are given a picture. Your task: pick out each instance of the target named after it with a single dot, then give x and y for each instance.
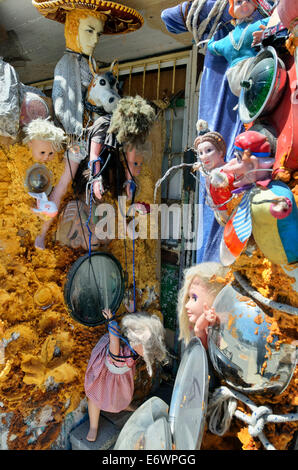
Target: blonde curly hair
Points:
(43, 129)
(72, 23)
(210, 273)
(147, 330)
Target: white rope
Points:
(192, 21)
(222, 408)
(159, 182)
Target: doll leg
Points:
(94, 413)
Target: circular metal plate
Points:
(133, 433)
(93, 283)
(158, 436)
(189, 399)
(243, 350)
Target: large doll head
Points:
(82, 30)
(44, 139)
(202, 283)
(241, 8)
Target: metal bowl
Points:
(262, 89)
(239, 348)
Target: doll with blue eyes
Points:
(201, 284)
(237, 47)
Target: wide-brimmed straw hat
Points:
(120, 18)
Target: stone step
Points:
(110, 425)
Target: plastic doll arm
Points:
(95, 149)
(213, 48)
(56, 196)
(113, 330)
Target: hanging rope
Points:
(198, 28)
(222, 407)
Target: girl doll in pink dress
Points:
(109, 379)
(202, 283)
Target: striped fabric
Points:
(242, 221)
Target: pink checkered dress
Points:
(109, 387)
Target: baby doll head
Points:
(146, 335)
(202, 283)
(44, 139)
(241, 8)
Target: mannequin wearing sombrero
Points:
(237, 47)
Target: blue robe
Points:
(216, 103)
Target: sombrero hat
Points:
(120, 18)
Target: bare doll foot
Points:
(39, 242)
(92, 435)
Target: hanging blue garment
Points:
(216, 103)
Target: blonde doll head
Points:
(145, 333)
(44, 139)
(211, 275)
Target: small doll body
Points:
(236, 47)
(211, 150)
(109, 379)
(201, 284)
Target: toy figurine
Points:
(44, 206)
(237, 47)
(201, 285)
(253, 154)
(211, 150)
(109, 379)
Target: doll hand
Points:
(257, 35)
(107, 313)
(98, 188)
(209, 314)
(218, 179)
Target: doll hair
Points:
(210, 273)
(193, 19)
(43, 129)
(205, 135)
(147, 330)
(72, 23)
(132, 120)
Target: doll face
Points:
(243, 9)
(198, 295)
(42, 150)
(90, 29)
(135, 162)
(210, 156)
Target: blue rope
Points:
(91, 163)
(115, 332)
(87, 223)
(133, 266)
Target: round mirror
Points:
(93, 283)
(39, 179)
(243, 350)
